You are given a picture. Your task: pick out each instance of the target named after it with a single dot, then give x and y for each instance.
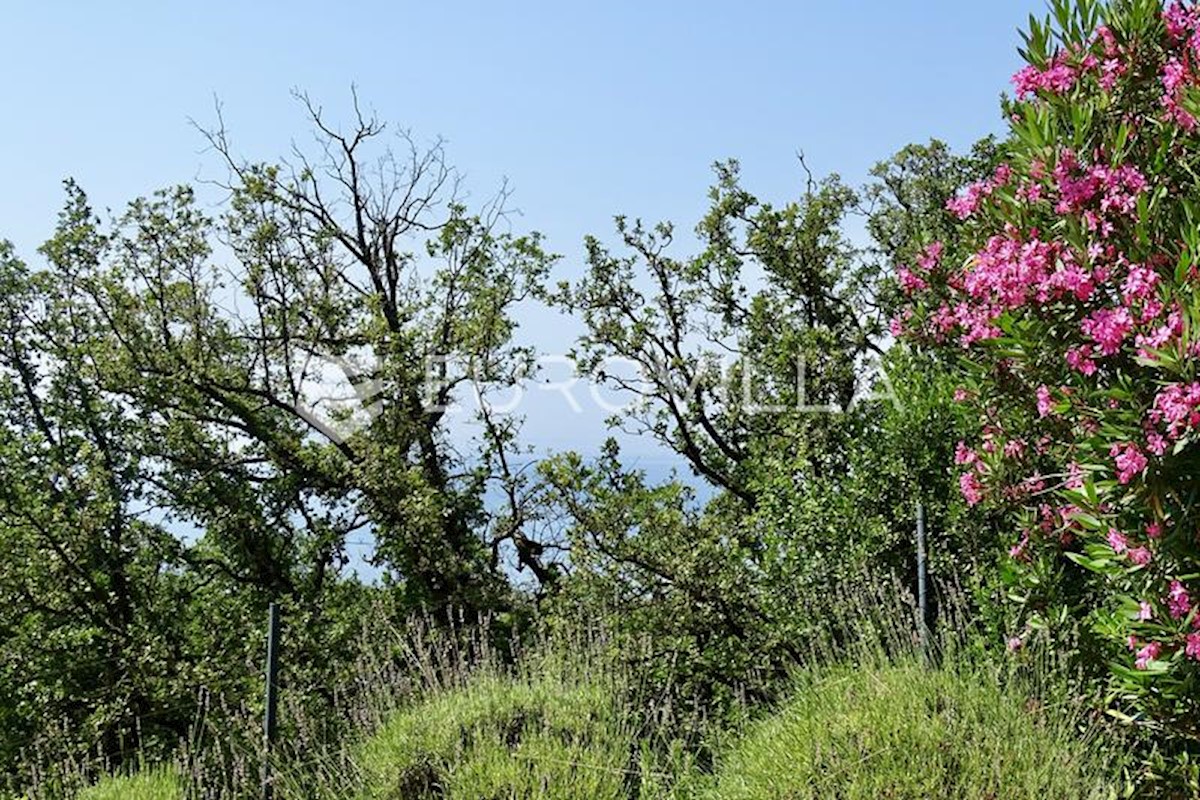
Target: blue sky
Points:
(589, 110)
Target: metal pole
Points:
(922, 599)
(269, 720)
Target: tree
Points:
(369, 263)
(199, 411)
(757, 360)
(89, 592)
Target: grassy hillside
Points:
(562, 728)
(553, 733)
(905, 731)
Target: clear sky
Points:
(589, 109)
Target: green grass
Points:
(149, 784)
(556, 732)
(904, 731)
(563, 728)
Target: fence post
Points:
(922, 597)
(269, 719)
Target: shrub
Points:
(1074, 315)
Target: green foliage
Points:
(761, 364)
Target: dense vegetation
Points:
(1008, 343)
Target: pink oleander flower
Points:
(1152, 308)
(1154, 530)
(1110, 72)
(1080, 359)
(1014, 644)
(1139, 284)
(1074, 476)
(1192, 647)
(1117, 541)
(1008, 273)
(1108, 328)
(1174, 75)
(1105, 35)
(1147, 654)
(1129, 460)
(1018, 550)
(1179, 19)
(971, 488)
(961, 395)
(964, 454)
(1027, 81)
(1179, 603)
(1178, 406)
(930, 257)
(1014, 448)
(1140, 556)
(1045, 404)
(910, 281)
(1174, 81)
(967, 203)
(1145, 612)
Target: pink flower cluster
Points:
(1179, 603)
(1174, 80)
(1119, 542)
(1108, 328)
(1007, 273)
(1176, 406)
(1064, 70)
(1112, 67)
(1182, 22)
(1159, 337)
(928, 261)
(1183, 28)
(1146, 654)
(1129, 460)
(1045, 402)
(1096, 191)
(966, 203)
(971, 488)
(1058, 77)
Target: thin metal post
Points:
(922, 598)
(269, 719)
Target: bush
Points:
(1074, 316)
(907, 731)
